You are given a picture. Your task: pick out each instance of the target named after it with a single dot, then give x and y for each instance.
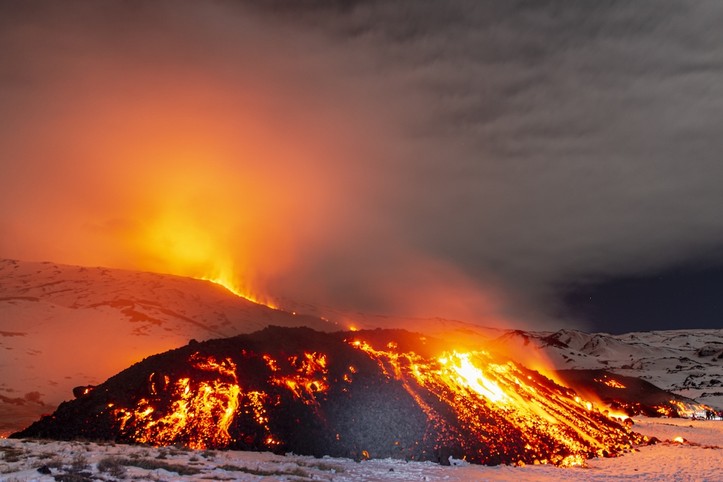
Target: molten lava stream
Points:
(495, 400)
(200, 412)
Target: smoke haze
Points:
(458, 159)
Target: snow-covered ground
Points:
(699, 458)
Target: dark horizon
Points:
(682, 297)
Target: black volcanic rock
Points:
(381, 393)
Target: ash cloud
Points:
(458, 159)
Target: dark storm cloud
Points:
(499, 148)
(561, 141)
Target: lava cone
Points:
(382, 393)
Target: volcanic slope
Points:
(685, 362)
(367, 394)
(106, 319)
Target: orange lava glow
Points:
(610, 382)
(202, 411)
(200, 234)
(183, 181)
(470, 380)
(309, 379)
(199, 157)
(228, 283)
(687, 410)
(490, 407)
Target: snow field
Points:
(699, 459)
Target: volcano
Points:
(365, 394)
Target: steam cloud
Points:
(461, 159)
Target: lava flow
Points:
(629, 396)
(498, 401)
(200, 411)
(248, 294)
(382, 393)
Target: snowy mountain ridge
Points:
(686, 362)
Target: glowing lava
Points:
(553, 422)
(610, 382)
(364, 394)
(200, 414)
(227, 282)
(471, 377)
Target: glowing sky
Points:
(464, 159)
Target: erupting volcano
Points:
(362, 394)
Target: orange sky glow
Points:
(273, 174)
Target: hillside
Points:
(64, 326)
(685, 362)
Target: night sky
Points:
(537, 164)
(686, 296)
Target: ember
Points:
(610, 382)
(358, 394)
